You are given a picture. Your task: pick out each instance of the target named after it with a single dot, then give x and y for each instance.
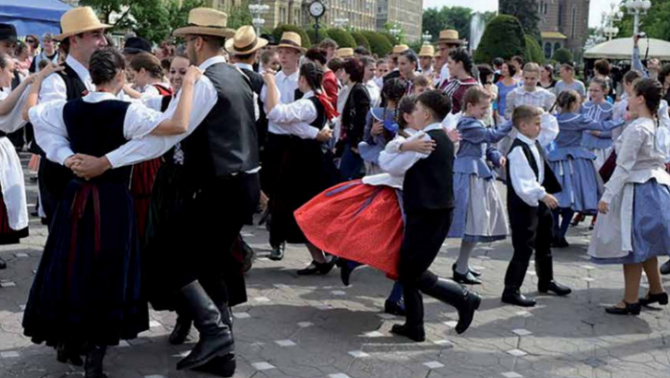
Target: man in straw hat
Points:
(448, 42)
(393, 62)
(426, 60)
(189, 264)
(289, 50)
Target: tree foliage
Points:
(390, 38)
(503, 37)
(458, 18)
(563, 56)
(281, 28)
(323, 34)
(533, 50)
(379, 43)
(239, 15)
(361, 40)
(342, 37)
(525, 11)
(655, 23)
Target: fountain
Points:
(477, 26)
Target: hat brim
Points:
(10, 38)
(202, 30)
(301, 49)
(61, 37)
(452, 41)
(230, 47)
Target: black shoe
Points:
(467, 278)
(394, 308)
(417, 334)
(665, 268)
(277, 253)
(514, 297)
(630, 309)
(65, 354)
(311, 270)
(248, 255)
(181, 330)
(554, 287)
(560, 243)
(216, 339)
(93, 366)
(3, 263)
(465, 301)
(661, 298)
(220, 366)
(345, 272)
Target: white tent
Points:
(622, 48)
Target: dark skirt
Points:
(7, 234)
(190, 233)
(87, 287)
(305, 171)
(141, 184)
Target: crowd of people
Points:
(150, 161)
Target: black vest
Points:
(75, 88)
(257, 84)
(226, 141)
(550, 183)
(321, 118)
(106, 136)
(429, 183)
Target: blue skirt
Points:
(651, 227)
(484, 223)
(581, 185)
(87, 286)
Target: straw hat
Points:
(450, 36)
(399, 49)
(206, 21)
(345, 52)
(427, 51)
(245, 41)
(79, 20)
(291, 40)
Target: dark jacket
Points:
(353, 115)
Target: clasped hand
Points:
(86, 166)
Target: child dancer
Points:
(428, 201)
(598, 109)
(361, 221)
(573, 164)
(632, 228)
(479, 215)
(529, 200)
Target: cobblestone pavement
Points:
(314, 327)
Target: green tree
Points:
(379, 43)
(323, 34)
(239, 15)
(563, 56)
(179, 12)
(458, 18)
(342, 37)
(392, 40)
(152, 20)
(361, 40)
(654, 23)
(281, 28)
(533, 50)
(503, 37)
(525, 11)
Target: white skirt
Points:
(13, 186)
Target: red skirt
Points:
(358, 222)
(141, 186)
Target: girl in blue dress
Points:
(598, 109)
(573, 164)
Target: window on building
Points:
(557, 46)
(574, 21)
(282, 15)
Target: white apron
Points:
(13, 187)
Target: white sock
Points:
(467, 247)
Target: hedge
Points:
(323, 34)
(533, 50)
(342, 37)
(503, 38)
(563, 56)
(361, 40)
(380, 44)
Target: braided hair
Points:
(313, 75)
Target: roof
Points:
(553, 35)
(33, 16)
(622, 48)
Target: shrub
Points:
(563, 56)
(380, 45)
(361, 40)
(503, 38)
(342, 37)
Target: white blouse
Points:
(395, 162)
(295, 118)
(526, 185)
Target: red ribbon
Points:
(79, 203)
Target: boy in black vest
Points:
(428, 201)
(529, 204)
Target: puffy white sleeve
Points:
(140, 121)
(50, 132)
(548, 129)
(397, 162)
(296, 118)
(13, 120)
(523, 178)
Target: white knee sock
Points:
(464, 256)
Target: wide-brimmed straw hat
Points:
(79, 20)
(450, 36)
(291, 40)
(345, 52)
(399, 49)
(206, 21)
(245, 41)
(427, 51)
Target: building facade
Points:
(563, 24)
(407, 14)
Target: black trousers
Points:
(532, 230)
(195, 242)
(52, 179)
(425, 231)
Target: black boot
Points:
(93, 366)
(413, 327)
(222, 366)
(216, 339)
(544, 267)
(181, 329)
(451, 293)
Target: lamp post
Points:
(427, 38)
(395, 31)
(637, 8)
(609, 18)
(256, 11)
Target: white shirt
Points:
(526, 185)
(245, 66)
(287, 85)
(444, 74)
(53, 87)
(374, 92)
(295, 118)
(138, 122)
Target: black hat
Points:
(136, 45)
(7, 32)
(270, 38)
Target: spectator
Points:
(360, 52)
(547, 80)
(368, 81)
(331, 48)
(568, 81)
(269, 61)
(505, 85)
(518, 63)
(48, 53)
(23, 58)
(497, 67)
(603, 69)
(407, 65)
(382, 70)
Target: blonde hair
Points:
(531, 67)
(524, 114)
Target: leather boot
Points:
(451, 293)
(93, 365)
(216, 339)
(413, 327)
(222, 366)
(181, 329)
